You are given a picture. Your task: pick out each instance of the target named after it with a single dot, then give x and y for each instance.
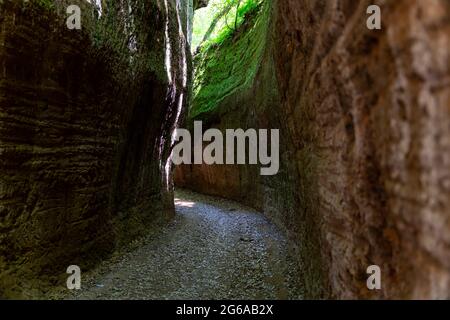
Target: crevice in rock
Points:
(87, 135)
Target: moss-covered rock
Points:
(230, 67)
(85, 131)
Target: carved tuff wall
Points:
(364, 120)
(86, 118)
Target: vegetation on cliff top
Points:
(219, 20)
(228, 62)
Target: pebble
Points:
(197, 257)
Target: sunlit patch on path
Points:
(214, 249)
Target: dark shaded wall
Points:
(86, 118)
(364, 117)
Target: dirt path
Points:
(214, 249)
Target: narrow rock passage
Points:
(214, 249)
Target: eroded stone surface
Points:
(364, 117)
(84, 135)
(380, 102)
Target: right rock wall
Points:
(372, 108)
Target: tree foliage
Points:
(220, 20)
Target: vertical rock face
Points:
(365, 149)
(378, 112)
(86, 118)
(86, 121)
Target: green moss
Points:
(230, 64)
(47, 4)
(239, 15)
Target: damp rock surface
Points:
(214, 249)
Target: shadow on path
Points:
(214, 249)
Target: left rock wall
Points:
(86, 118)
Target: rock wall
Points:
(378, 103)
(86, 118)
(236, 87)
(364, 119)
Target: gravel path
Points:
(214, 249)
